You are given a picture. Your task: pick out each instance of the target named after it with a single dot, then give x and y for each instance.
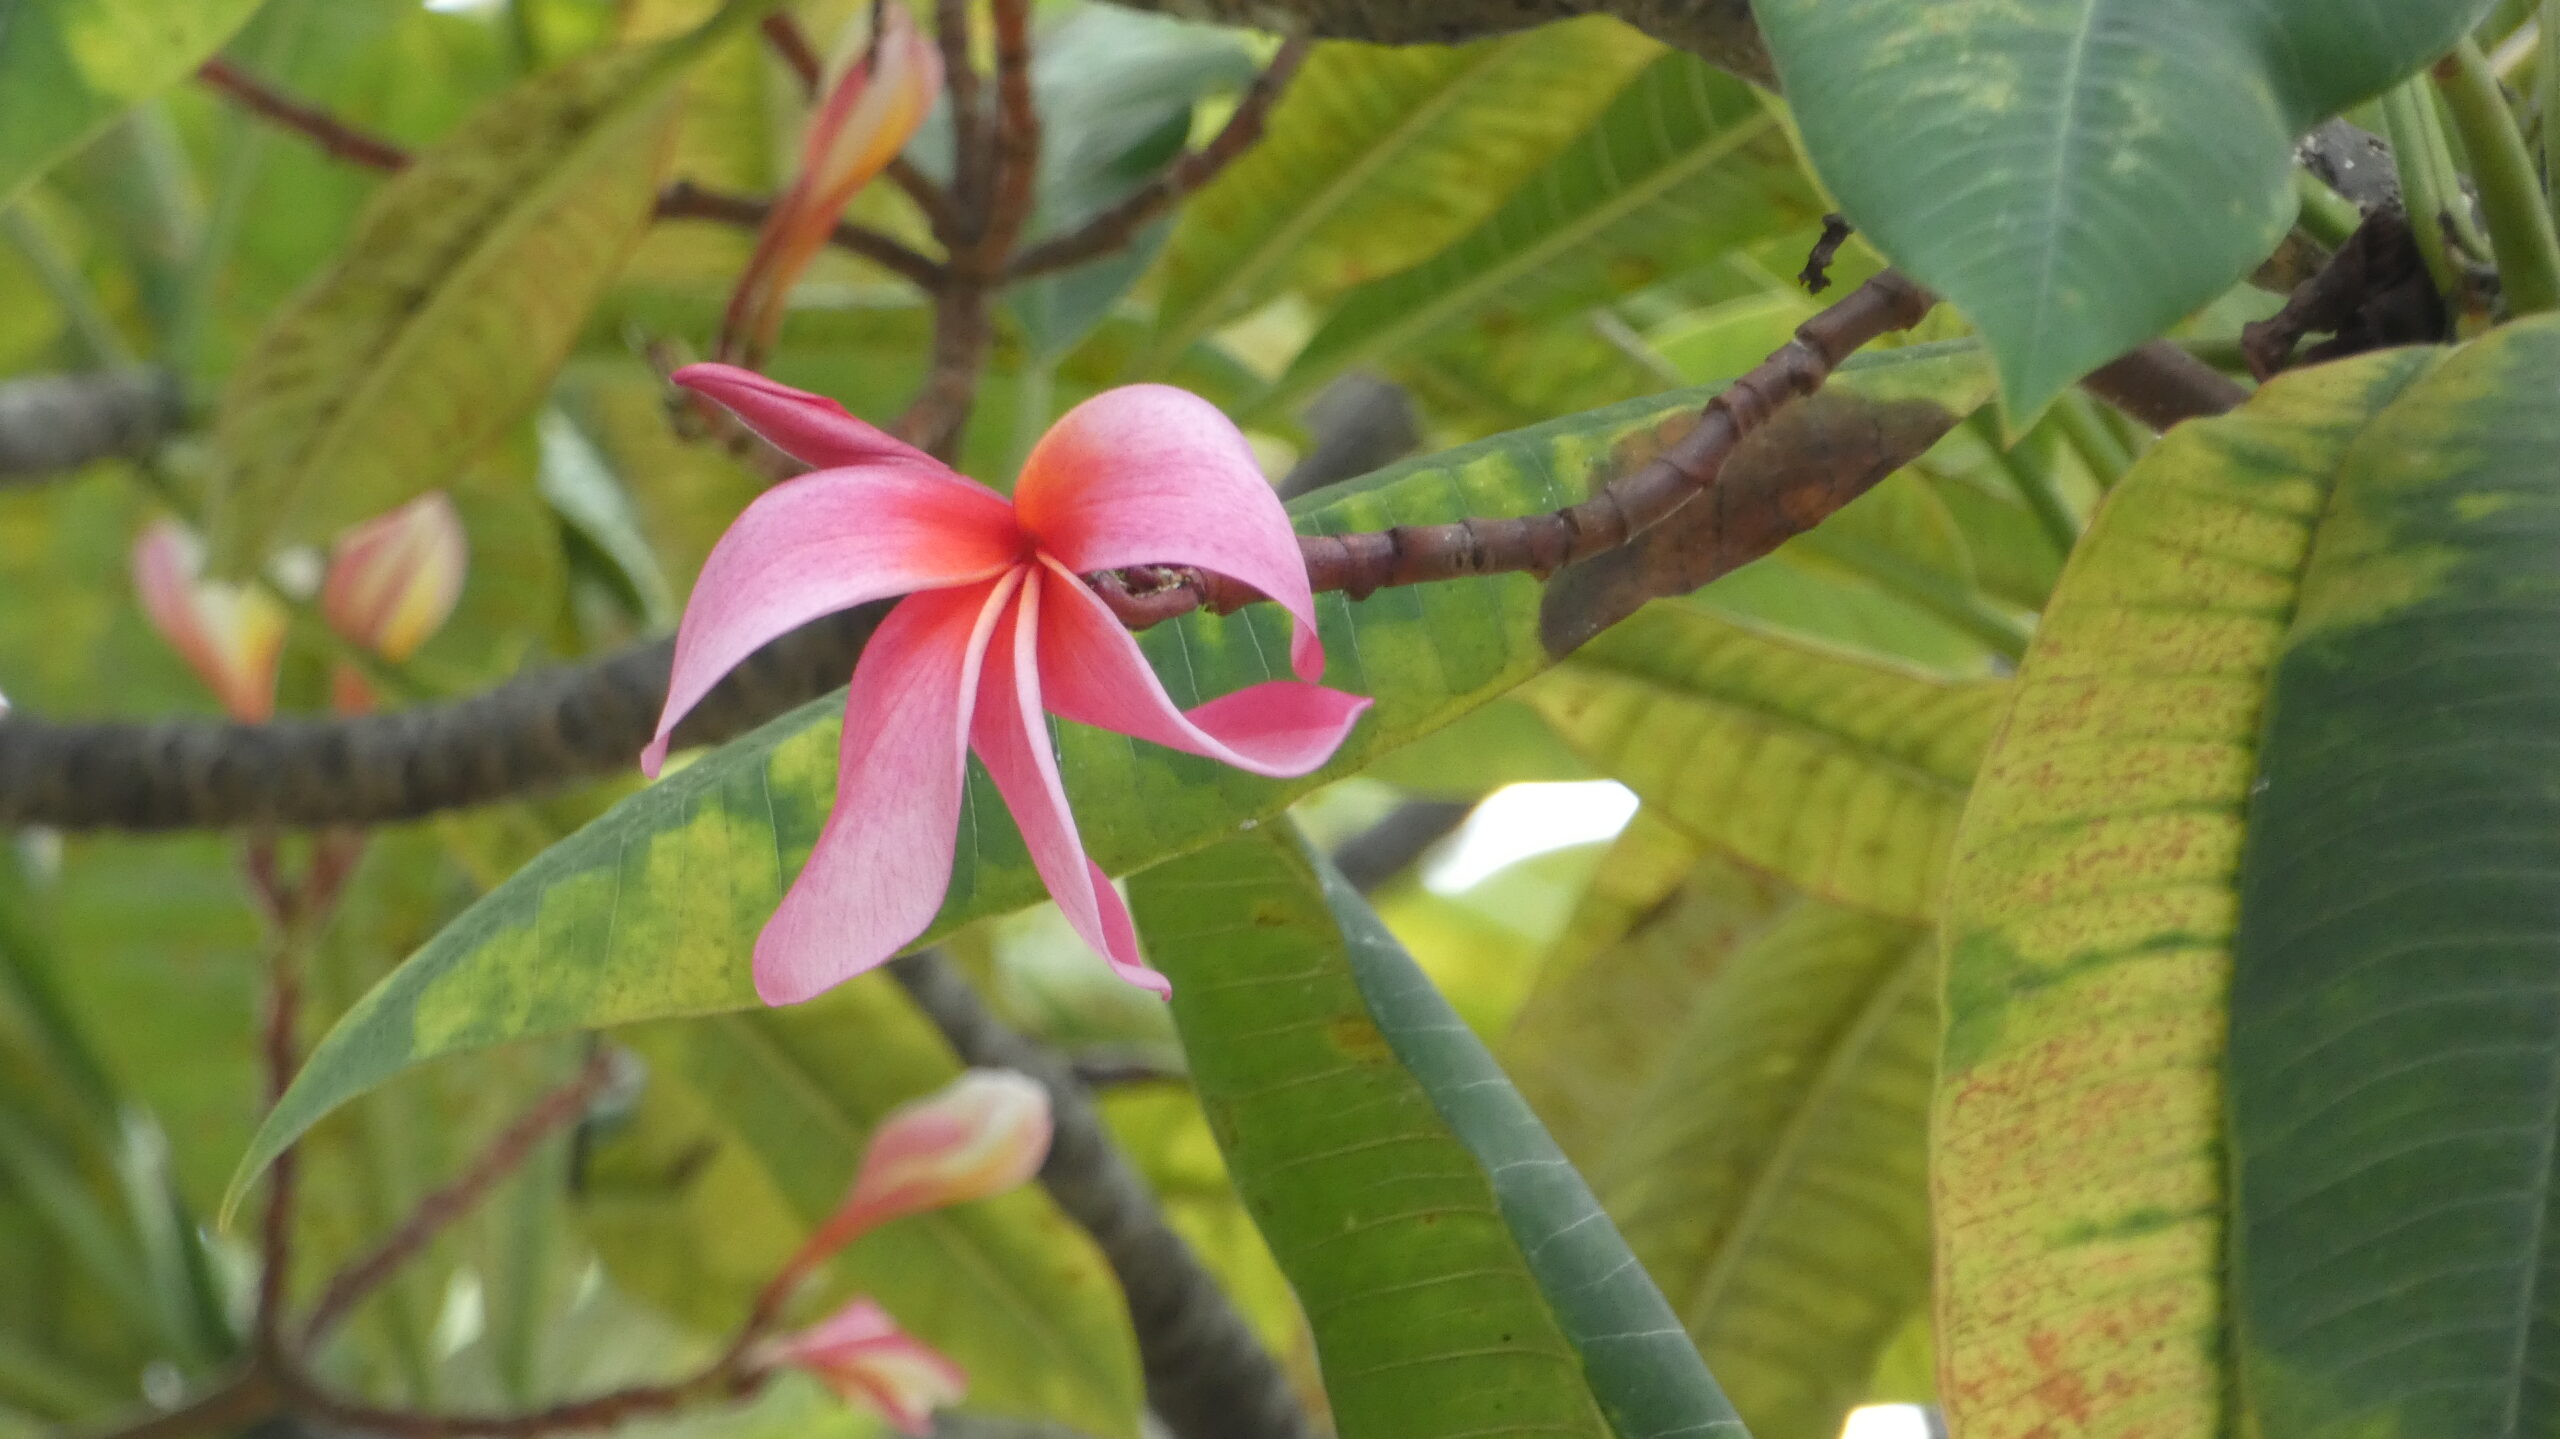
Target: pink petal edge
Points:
(810, 428)
(1153, 475)
(881, 864)
(824, 542)
(1094, 673)
(1012, 739)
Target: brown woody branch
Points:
(1359, 565)
(686, 200)
(335, 137)
(790, 44)
(439, 1208)
(554, 726)
(1116, 226)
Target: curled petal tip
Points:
(653, 757)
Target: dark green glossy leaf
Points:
(2078, 174)
(2395, 1004)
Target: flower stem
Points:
(2511, 199)
(2327, 216)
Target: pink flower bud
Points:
(394, 579)
(872, 106)
(862, 1354)
(981, 1134)
(232, 636)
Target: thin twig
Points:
(457, 1197)
(927, 196)
(285, 921)
(1116, 226)
(687, 200)
(791, 45)
(334, 136)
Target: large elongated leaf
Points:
(1844, 775)
(1378, 156)
(1771, 1178)
(1459, 1275)
(2395, 1010)
(68, 67)
(1686, 159)
(464, 285)
(652, 910)
(747, 1139)
(2077, 174)
(2077, 1140)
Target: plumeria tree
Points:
(1237, 718)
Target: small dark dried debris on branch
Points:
(53, 424)
(2373, 294)
(1816, 274)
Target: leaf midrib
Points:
(1458, 298)
(1212, 304)
(1786, 1157)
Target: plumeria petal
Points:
(1012, 738)
(810, 428)
(825, 542)
(862, 1354)
(1152, 475)
(1092, 672)
(883, 859)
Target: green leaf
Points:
(1378, 156)
(1843, 775)
(440, 325)
(1687, 160)
(2077, 1140)
(652, 910)
(747, 1139)
(69, 67)
(1458, 1274)
(2395, 1042)
(1771, 1174)
(2076, 175)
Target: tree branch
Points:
(1116, 226)
(1208, 1377)
(335, 137)
(554, 726)
(50, 424)
(2161, 385)
(686, 200)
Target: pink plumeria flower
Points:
(231, 635)
(393, 580)
(880, 91)
(997, 628)
(862, 1354)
